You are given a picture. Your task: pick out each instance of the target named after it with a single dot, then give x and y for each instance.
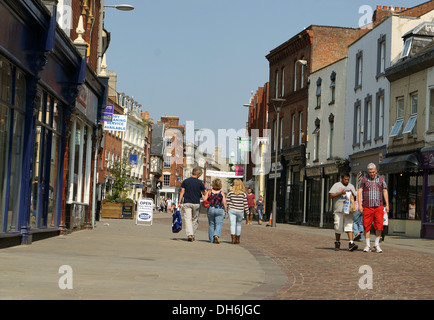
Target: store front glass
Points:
(12, 124)
(430, 198)
(46, 158)
(406, 196)
(314, 201)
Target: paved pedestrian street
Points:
(121, 261)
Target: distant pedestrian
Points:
(162, 205)
(385, 225)
(251, 202)
(343, 219)
(217, 211)
(192, 190)
(372, 190)
(358, 224)
(237, 205)
(260, 208)
(169, 205)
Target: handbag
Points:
(207, 203)
(176, 222)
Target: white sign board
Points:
(119, 123)
(145, 212)
(224, 174)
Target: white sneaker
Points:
(367, 249)
(378, 249)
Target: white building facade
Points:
(368, 90)
(326, 132)
(133, 144)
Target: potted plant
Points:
(117, 205)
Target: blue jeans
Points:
(215, 220)
(358, 223)
(260, 213)
(236, 219)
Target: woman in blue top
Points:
(217, 210)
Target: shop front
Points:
(83, 145)
(319, 206)
(314, 196)
(427, 164)
(39, 71)
(405, 185)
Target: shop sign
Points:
(87, 103)
(313, 172)
(107, 115)
(331, 170)
(428, 160)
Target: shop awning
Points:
(407, 162)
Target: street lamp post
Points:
(277, 109)
(121, 7)
(246, 153)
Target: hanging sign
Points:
(119, 123)
(107, 115)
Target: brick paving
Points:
(124, 261)
(315, 271)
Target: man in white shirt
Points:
(343, 222)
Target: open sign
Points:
(145, 212)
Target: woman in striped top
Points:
(237, 204)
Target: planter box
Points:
(111, 210)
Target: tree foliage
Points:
(121, 171)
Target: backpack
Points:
(176, 222)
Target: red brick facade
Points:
(258, 119)
(90, 10)
(317, 46)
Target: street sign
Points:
(133, 159)
(145, 212)
(245, 144)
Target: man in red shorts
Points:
(371, 191)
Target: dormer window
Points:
(407, 47)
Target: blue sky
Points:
(200, 59)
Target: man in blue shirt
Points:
(192, 190)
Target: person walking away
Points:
(260, 208)
(217, 211)
(192, 190)
(372, 190)
(343, 219)
(251, 202)
(237, 205)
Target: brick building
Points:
(147, 154)
(173, 156)
(257, 119)
(290, 66)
